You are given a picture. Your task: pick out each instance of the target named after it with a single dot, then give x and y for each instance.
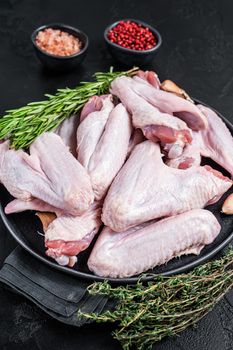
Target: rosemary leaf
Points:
(24, 124)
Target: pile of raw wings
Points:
(128, 169)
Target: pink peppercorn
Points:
(132, 35)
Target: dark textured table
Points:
(197, 53)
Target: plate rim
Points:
(129, 280)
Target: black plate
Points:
(26, 228)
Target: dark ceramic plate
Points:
(26, 228)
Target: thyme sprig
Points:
(165, 306)
(24, 124)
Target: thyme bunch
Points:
(23, 125)
(165, 306)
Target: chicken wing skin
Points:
(67, 130)
(147, 189)
(145, 246)
(156, 125)
(69, 235)
(67, 177)
(111, 151)
(172, 104)
(215, 142)
(92, 126)
(50, 173)
(17, 206)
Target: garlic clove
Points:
(72, 261)
(227, 207)
(62, 260)
(170, 86)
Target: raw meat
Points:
(147, 189)
(94, 104)
(103, 139)
(143, 247)
(191, 155)
(136, 138)
(4, 146)
(67, 176)
(156, 126)
(172, 104)
(111, 151)
(67, 130)
(17, 206)
(215, 142)
(148, 77)
(50, 174)
(67, 236)
(92, 126)
(170, 86)
(20, 179)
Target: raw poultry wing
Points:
(145, 246)
(67, 177)
(67, 130)
(67, 235)
(172, 104)
(104, 152)
(111, 151)
(147, 189)
(50, 173)
(155, 124)
(215, 142)
(92, 126)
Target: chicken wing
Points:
(147, 189)
(152, 244)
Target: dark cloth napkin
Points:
(61, 296)
(58, 294)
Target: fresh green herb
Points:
(24, 124)
(166, 306)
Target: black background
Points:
(197, 53)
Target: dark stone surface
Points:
(197, 53)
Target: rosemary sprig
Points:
(166, 306)
(24, 124)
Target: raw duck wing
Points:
(67, 236)
(4, 147)
(92, 127)
(148, 77)
(217, 141)
(143, 247)
(24, 178)
(146, 189)
(94, 104)
(136, 138)
(156, 126)
(111, 151)
(20, 177)
(68, 178)
(17, 206)
(172, 104)
(191, 155)
(68, 131)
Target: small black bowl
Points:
(129, 57)
(61, 63)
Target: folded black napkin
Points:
(61, 296)
(58, 294)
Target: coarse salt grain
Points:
(58, 42)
